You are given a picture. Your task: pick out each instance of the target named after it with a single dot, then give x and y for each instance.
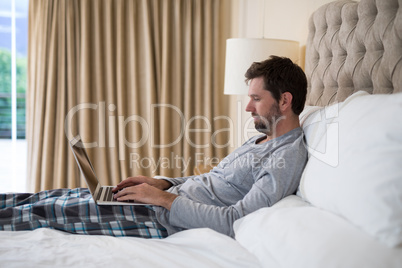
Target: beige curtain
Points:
(140, 81)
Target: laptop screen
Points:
(84, 164)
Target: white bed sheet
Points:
(192, 248)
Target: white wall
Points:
(278, 19)
(281, 19)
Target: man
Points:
(262, 171)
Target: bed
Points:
(348, 208)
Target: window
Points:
(13, 82)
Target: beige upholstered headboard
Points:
(354, 46)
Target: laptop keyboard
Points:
(108, 194)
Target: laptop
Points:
(102, 195)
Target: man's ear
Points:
(285, 102)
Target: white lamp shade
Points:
(242, 52)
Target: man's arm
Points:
(271, 185)
(187, 214)
(147, 190)
(148, 194)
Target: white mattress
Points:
(192, 248)
(292, 233)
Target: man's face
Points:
(263, 107)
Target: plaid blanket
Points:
(74, 211)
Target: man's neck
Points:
(281, 129)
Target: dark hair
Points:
(281, 75)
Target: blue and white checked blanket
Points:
(74, 211)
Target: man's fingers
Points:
(118, 187)
(124, 197)
(130, 193)
(131, 181)
(124, 191)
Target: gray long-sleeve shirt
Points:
(252, 177)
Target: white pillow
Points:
(315, 122)
(305, 236)
(361, 176)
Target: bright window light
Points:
(13, 83)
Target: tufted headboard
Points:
(354, 46)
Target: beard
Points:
(267, 123)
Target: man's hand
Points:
(146, 190)
(148, 194)
(161, 184)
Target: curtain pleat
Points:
(140, 81)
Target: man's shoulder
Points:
(293, 148)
